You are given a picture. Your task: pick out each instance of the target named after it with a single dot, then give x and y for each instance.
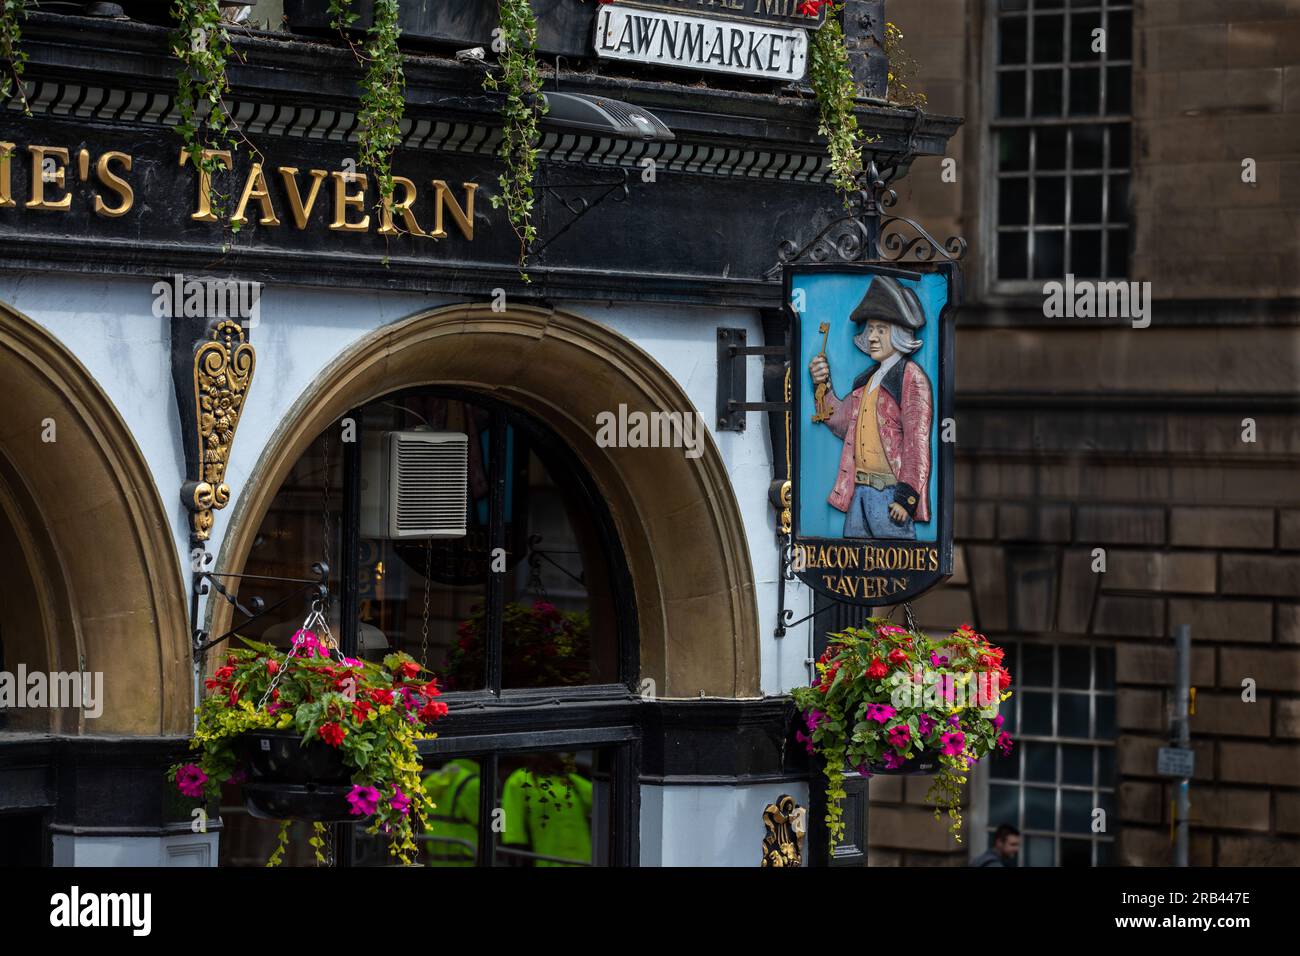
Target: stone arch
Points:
(677, 518)
(81, 521)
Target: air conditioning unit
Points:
(414, 485)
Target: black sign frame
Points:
(718, 11)
(916, 582)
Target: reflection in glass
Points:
(555, 809)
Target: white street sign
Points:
(700, 43)
(1175, 762)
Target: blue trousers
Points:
(868, 515)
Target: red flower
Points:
(234, 698)
(384, 697)
(271, 666)
(224, 673)
(361, 710)
(431, 689)
(406, 670)
(332, 734)
(432, 711)
(809, 8)
(877, 669)
(898, 657)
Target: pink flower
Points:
(955, 722)
(239, 776)
(190, 780)
(806, 741)
(880, 713)
(364, 800)
(308, 645)
(400, 802)
(925, 724)
(892, 760)
(953, 743)
(1004, 743)
(998, 720)
(937, 661)
(900, 736)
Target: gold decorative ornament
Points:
(786, 824)
(223, 370)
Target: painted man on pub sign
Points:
(884, 419)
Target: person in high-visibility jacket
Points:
(454, 788)
(550, 815)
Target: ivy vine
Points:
(524, 106)
(383, 88)
(202, 45)
(15, 58)
(903, 70)
(832, 83)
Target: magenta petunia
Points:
(880, 713)
(953, 743)
(937, 661)
(1004, 742)
(925, 724)
(190, 780)
(400, 801)
(364, 800)
(997, 721)
(900, 736)
(892, 760)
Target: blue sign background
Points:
(830, 297)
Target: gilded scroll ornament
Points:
(223, 370)
(786, 823)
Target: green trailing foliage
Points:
(832, 82)
(383, 88)
(13, 57)
(520, 79)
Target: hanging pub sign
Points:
(872, 432)
(689, 42)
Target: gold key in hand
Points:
(823, 413)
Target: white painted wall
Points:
(108, 324)
(686, 825)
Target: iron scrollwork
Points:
(223, 371)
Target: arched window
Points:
(527, 619)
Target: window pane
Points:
(1040, 851)
(1076, 811)
(1035, 666)
(1076, 764)
(1105, 657)
(1085, 91)
(1013, 202)
(1011, 94)
(1049, 200)
(1047, 92)
(1075, 665)
(1013, 258)
(1013, 149)
(555, 809)
(1118, 92)
(1081, 27)
(1105, 717)
(1049, 39)
(1118, 201)
(453, 835)
(1072, 715)
(1117, 253)
(1119, 146)
(1106, 766)
(1085, 253)
(1036, 714)
(1050, 148)
(1004, 805)
(1087, 147)
(1040, 762)
(1012, 39)
(1119, 35)
(559, 626)
(1049, 255)
(1040, 808)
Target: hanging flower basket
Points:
(313, 735)
(895, 701)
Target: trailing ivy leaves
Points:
(201, 43)
(832, 82)
(521, 82)
(14, 57)
(383, 88)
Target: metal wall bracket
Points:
(732, 406)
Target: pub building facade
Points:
(199, 420)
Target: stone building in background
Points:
(1172, 158)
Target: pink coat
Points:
(904, 411)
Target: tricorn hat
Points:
(887, 301)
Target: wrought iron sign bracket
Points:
(579, 205)
(256, 608)
(732, 380)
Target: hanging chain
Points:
(911, 620)
(424, 617)
(325, 503)
(329, 845)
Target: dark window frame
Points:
(485, 724)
